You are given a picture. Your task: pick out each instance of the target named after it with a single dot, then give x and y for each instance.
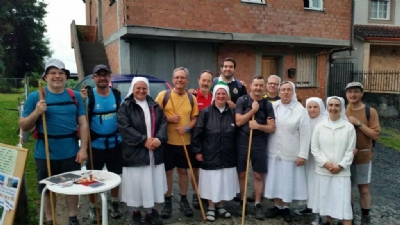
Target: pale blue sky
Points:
(60, 14)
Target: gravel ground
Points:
(384, 187)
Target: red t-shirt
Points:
(202, 101)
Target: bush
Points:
(71, 83)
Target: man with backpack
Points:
(366, 122)
(64, 111)
(181, 111)
(103, 102)
(247, 107)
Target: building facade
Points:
(264, 36)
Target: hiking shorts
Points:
(174, 156)
(258, 160)
(111, 158)
(56, 167)
(361, 173)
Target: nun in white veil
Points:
(317, 113)
(332, 145)
(143, 128)
(287, 150)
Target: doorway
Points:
(270, 66)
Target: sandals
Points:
(210, 215)
(223, 213)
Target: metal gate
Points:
(340, 74)
(160, 57)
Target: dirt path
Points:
(385, 188)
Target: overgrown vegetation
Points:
(9, 135)
(390, 138)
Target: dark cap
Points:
(354, 84)
(101, 67)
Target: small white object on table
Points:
(110, 180)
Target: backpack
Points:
(92, 102)
(215, 81)
(368, 115)
(250, 102)
(168, 94)
(39, 135)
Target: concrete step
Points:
(92, 54)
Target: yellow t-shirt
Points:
(183, 109)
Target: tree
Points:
(23, 45)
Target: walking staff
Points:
(46, 144)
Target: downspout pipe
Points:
(99, 21)
(351, 47)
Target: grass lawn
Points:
(390, 138)
(9, 135)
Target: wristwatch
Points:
(341, 168)
(187, 129)
(359, 124)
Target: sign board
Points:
(12, 166)
(262, 2)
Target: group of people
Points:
(312, 154)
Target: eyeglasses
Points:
(273, 84)
(104, 75)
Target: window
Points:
(380, 9)
(314, 4)
(306, 70)
(262, 2)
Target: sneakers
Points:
(237, 198)
(273, 213)
(115, 213)
(153, 218)
(195, 202)
(167, 210)
(92, 214)
(184, 206)
(259, 212)
(365, 220)
(136, 217)
(317, 220)
(76, 222)
(241, 208)
(286, 215)
(303, 212)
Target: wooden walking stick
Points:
(46, 145)
(91, 158)
(191, 169)
(247, 175)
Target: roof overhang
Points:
(133, 31)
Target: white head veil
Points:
(342, 106)
(219, 86)
(134, 81)
(322, 109)
(294, 97)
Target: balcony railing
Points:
(379, 81)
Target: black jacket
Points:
(214, 137)
(132, 127)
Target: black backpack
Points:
(92, 102)
(368, 115)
